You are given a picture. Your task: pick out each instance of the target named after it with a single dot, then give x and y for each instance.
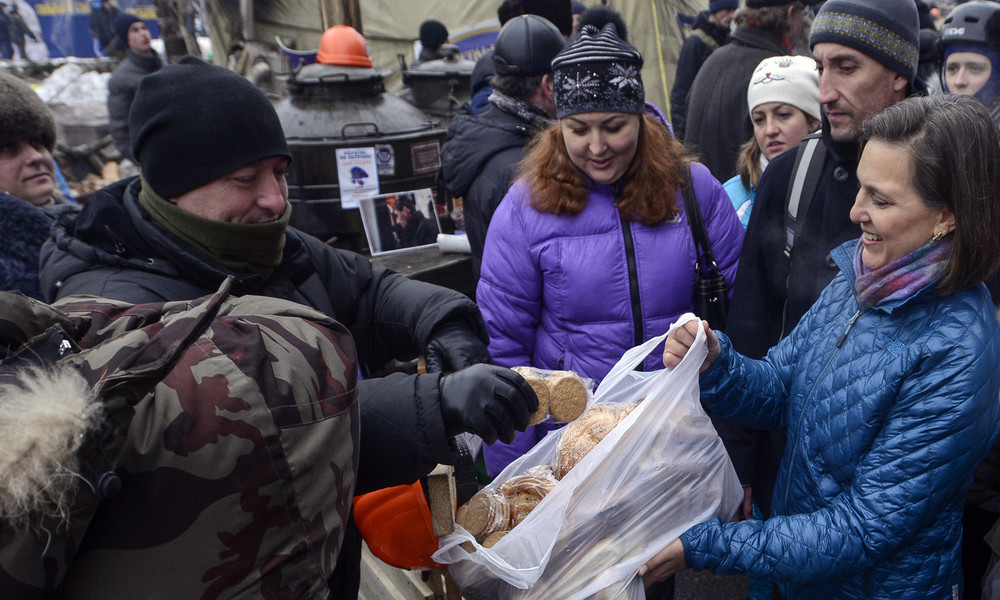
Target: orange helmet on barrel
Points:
(344, 46)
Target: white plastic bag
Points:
(660, 471)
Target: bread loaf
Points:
(580, 436)
(488, 511)
(568, 396)
(493, 538)
(524, 492)
(537, 383)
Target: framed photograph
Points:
(400, 221)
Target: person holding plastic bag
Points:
(659, 468)
(888, 385)
(590, 252)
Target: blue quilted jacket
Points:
(889, 411)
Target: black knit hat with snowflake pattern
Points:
(598, 72)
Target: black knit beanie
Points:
(122, 23)
(23, 115)
(433, 34)
(887, 30)
(598, 72)
(192, 123)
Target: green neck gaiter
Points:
(244, 249)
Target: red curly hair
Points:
(559, 187)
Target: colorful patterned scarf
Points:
(903, 278)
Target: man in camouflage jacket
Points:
(235, 478)
(212, 203)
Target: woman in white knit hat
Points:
(783, 98)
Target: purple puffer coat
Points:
(558, 292)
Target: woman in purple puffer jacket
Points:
(590, 252)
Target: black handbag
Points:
(711, 297)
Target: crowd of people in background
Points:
(841, 156)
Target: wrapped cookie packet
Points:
(562, 395)
(576, 516)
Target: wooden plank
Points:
(380, 581)
(442, 498)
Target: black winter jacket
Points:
(479, 162)
(771, 292)
(693, 55)
(718, 121)
(111, 249)
(122, 86)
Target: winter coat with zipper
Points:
(111, 249)
(889, 411)
(718, 120)
(479, 162)
(122, 86)
(772, 292)
(576, 292)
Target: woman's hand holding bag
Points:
(682, 338)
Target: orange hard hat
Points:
(344, 46)
(396, 524)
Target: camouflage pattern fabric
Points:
(237, 471)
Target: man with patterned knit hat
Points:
(867, 58)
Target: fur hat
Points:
(23, 115)
(887, 30)
(192, 123)
(792, 80)
(598, 72)
(122, 23)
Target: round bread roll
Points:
(486, 512)
(537, 383)
(492, 539)
(524, 492)
(568, 395)
(580, 436)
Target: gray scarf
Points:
(522, 109)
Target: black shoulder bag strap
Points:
(711, 294)
(705, 260)
(808, 168)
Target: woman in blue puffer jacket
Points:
(889, 384)
(590, 252)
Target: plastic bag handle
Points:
(634, 357)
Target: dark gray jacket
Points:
(479, 162)
(718, 121)
(694, 53)
(122, 85)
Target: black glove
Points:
(486, 400)
(454, 346)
